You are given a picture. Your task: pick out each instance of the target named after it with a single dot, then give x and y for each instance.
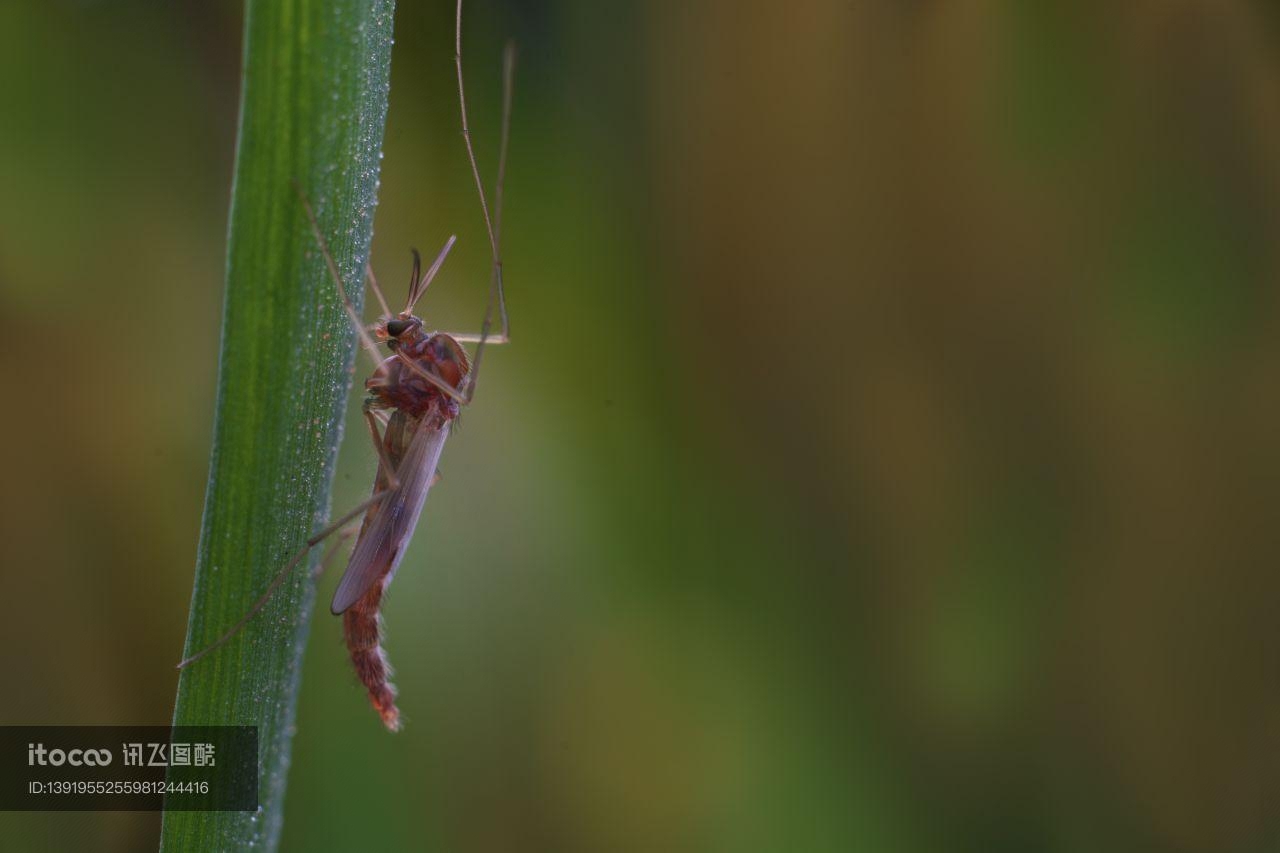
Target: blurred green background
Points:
(888, 458)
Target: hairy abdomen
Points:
(362, 626)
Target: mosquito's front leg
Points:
(370, 346)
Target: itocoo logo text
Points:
(37, 754)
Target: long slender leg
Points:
(393, 482)
(477, 337)
(508, 84)
(282, 574)
(496, 292)
(366, 341)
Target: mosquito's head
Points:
(401, 329)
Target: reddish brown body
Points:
(417, 416)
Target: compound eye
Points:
(396, 328)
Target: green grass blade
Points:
(313, 108)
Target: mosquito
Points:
(414, 394)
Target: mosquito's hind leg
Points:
(284, 573)
(493, 225)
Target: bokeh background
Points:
(888, 458)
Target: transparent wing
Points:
(382, 544)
